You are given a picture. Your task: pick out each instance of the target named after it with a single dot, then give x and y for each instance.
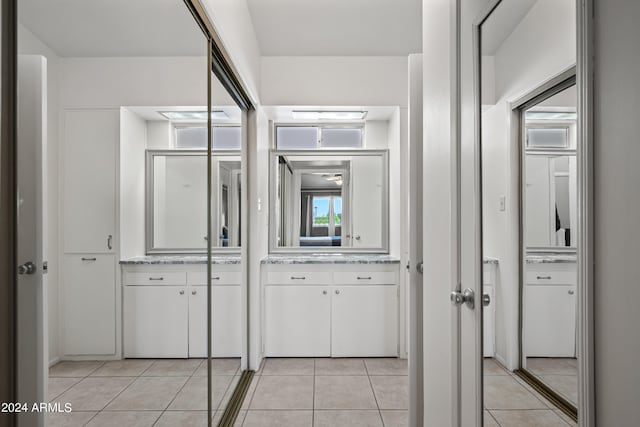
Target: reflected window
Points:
(319, 137)
(195, 138)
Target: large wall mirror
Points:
(177, 201)
(329, 201)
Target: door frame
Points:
(8, 206)
(585, 226)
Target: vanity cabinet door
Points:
(156, 321)
(550, 321)
(297, 321)
(225, 321)
(364, 321)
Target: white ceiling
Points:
(103, 28)
(501, 23)
(337, 27)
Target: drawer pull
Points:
(156, 278)
(364, 278)
(298, 278)
(215, 278)
(181, 292)
(337, 292)
(88, 259)
(571, 292)
(193, 292)
(324, 292)
(543, 277)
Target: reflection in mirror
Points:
(177, 187)
(529, 208)
(330, 200)
(550, 216)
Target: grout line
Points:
(366, 368)
(313, 396)
(493, 418)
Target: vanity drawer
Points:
(299, 277)
(551, 278)
(365, 277)
(173, 278)
(217, 278)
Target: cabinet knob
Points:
(337, 292)
(324, 292)
(181, 292)
(571, 292)
(193, 292)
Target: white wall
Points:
(29, 44)
(616, 212)
(540, 47)
(116, 82)
(362, 80)
(133, 139)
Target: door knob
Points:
(465, 297)
(27, 268)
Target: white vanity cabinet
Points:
(165, 311)
(550, 310)
(332, 310)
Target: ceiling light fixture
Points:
(329, 115)
(193, 116)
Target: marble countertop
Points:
(181, 259)
(550, 258)
(330, 259)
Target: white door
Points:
(31, 335)
(364, 321)
(366, 196)
(225, 321)
(89, 309)
(90, 149)
(298, 321)
(156, 321)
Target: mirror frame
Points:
(150, 249)
(273, 230)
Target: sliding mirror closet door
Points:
(117, 308)
(221, 298)
(528, 120)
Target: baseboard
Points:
(53, 361)
(501, 360)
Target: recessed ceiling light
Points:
(193, 116)
(328, 115)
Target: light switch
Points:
(503, 203)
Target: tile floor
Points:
(284, 392)
(131, 393)
(561, 374)
(510, 402)
(328, 393)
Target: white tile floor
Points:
(328, 393)
(510, 402)
(284, 392)
(131, 393)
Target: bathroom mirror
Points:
(329, 201)
(177, 201)
(550, 201)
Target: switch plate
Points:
(503, 203)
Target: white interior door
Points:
(31, 293)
